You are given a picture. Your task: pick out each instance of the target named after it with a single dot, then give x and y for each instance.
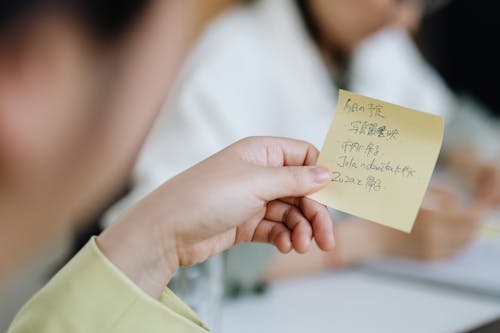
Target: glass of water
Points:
(201, 287)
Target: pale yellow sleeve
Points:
(91, 295)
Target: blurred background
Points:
(79, 144)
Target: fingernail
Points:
(320, 174)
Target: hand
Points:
(487, 183)
(482, 178)
(251, 191)
(443, 227)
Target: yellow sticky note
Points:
(382, 157)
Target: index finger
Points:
(275, 151)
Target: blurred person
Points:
(67, 147)
(66, 176)
(67, 143)
(273, 68)
(117, 282)
(471, 148)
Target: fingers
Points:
(312, 219)
(321, 222)
(284, 168)
(273, 151)
(301, 230)
(273, 183)
(274, 233)
(488, 185)
(320, 219)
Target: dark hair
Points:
(106, 18)
(341, 57)
(307, 17)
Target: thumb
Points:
(291, 181)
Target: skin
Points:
(431, 239)
(81, 174)
(36, 135)
(257, 196)
(481, 177)
(68, 143)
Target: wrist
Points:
(142, 250)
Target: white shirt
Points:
(255, 71)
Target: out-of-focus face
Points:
(74, 112)
(345, 23)
(54, 83)
(47, 85)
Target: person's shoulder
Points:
(234, 33)
(230, 51)
(408, 79)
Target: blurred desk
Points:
(357, 301)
